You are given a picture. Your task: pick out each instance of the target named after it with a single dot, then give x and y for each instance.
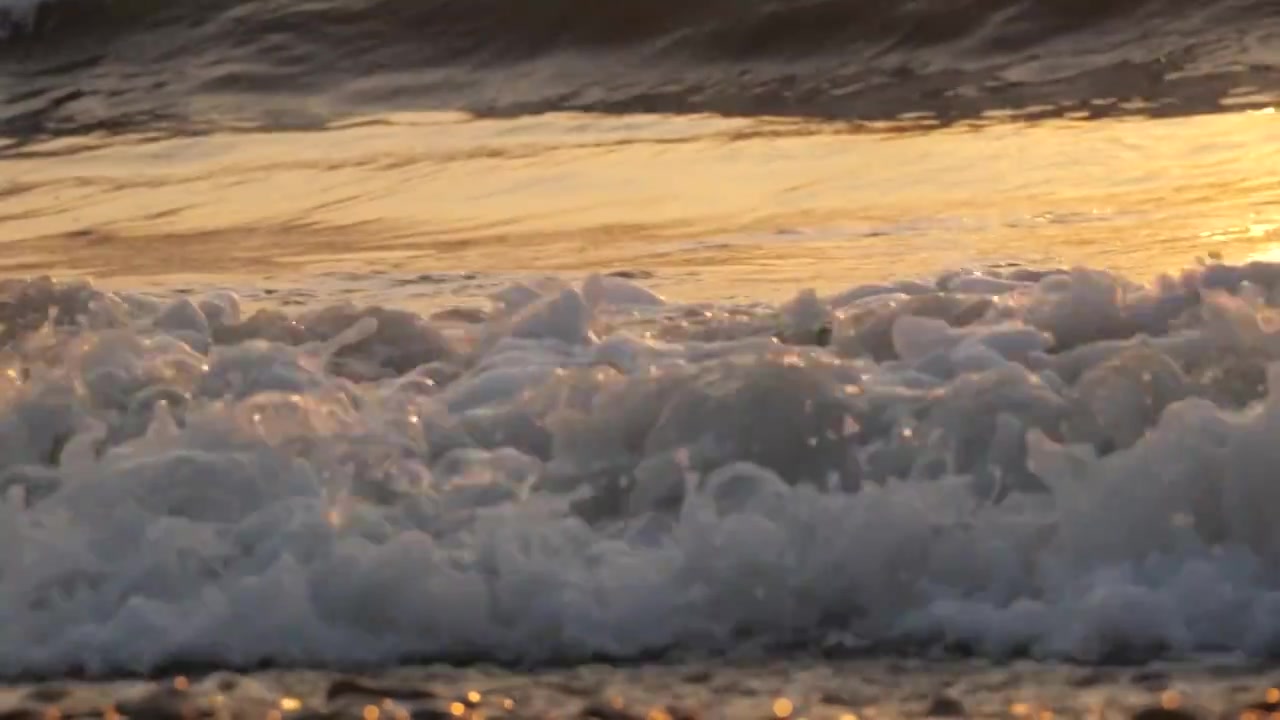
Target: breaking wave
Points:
(1057, 463)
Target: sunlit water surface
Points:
(429, 210)
(713, 207)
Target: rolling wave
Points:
(708, 28)
(131, 63)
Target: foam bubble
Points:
(1066, 464)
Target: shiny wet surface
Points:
(822, 690)
(709, 206)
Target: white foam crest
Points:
(1078, 467)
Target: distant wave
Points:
(77, 65)
(716, 28)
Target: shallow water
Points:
(714, 208)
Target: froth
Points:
(1061, 463)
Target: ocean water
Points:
(840, 358)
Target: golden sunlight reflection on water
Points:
(715, 207)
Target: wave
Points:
(1058, 463)
(719, 28)
(143, 64)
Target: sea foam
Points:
(1057, 463)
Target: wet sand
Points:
(739, 690)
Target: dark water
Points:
(71, 66)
